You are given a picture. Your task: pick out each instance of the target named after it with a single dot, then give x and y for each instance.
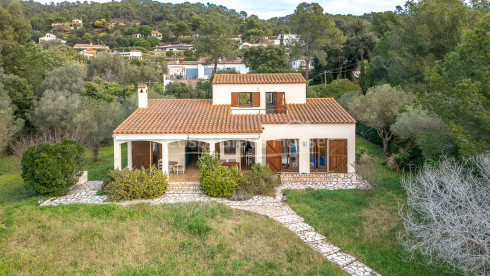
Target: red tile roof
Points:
(188, 116)
(258, 78)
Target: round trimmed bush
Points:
(51, 169)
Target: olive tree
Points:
(379, 109)
(97, 119)
(414, 121)
(9, 125)
(446, 217)
(55, 111)
(69, 77)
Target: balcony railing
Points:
(261, 111)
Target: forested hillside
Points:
(435, 51)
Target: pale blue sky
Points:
(270, 8)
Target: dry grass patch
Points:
(195, 238)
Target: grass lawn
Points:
(98, 170)
(362, 225)
(142, 239)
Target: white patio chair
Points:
(179, 168)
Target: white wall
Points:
(178, 69)
(305, 132)
(294, 92)
(176, 151)
(239, 68)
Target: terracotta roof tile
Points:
(258, 78)
(188, 116)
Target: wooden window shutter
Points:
(256, 99)
(234, 99)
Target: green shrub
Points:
(214, 179)
(135, 184)
(335, 89)
(51, 169)
(259, 180)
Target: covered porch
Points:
(178, 157)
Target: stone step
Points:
(306, 179)
(183, 183)
(183, 191)
(307, 175)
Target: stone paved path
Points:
(272, 207)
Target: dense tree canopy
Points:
(271, 59)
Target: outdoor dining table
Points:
(172, 164)
(231, 164)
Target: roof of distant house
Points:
(79, 45)
(203, 60)
(258, 78)
(186, 116)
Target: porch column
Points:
(258, 151)
(304, 155)
(164, 157)
(212, 147)
(130, 155)
(117, 155)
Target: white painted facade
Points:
(295, 93)
(49, 37)
(181, 71)
(300, 64)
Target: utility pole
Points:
(325, 77)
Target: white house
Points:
(88, 53)
(249, 45)
(133, 54)
(252, 118)
(181, 69)
(50, 36)
(300, 64)
(288, 39)
(156, 34)
(174, 47)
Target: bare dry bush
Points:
(52, 137)
(446, 216)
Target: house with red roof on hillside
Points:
(251, 118)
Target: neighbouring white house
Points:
(91, 46)
(133, 54)
(181, 69)
(300, 64)
(288, 39)
(246, 45)
(252, 118)
(174, 47)
(156, 34)
(49, 36)
(88, 53)
(357, 72)
(138, 35)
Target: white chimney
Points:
(142, 95)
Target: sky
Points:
(266, 9)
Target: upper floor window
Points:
(245, 99)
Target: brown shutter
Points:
(234, 99)
(280, 102)
(338, 155)
(256, 99)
